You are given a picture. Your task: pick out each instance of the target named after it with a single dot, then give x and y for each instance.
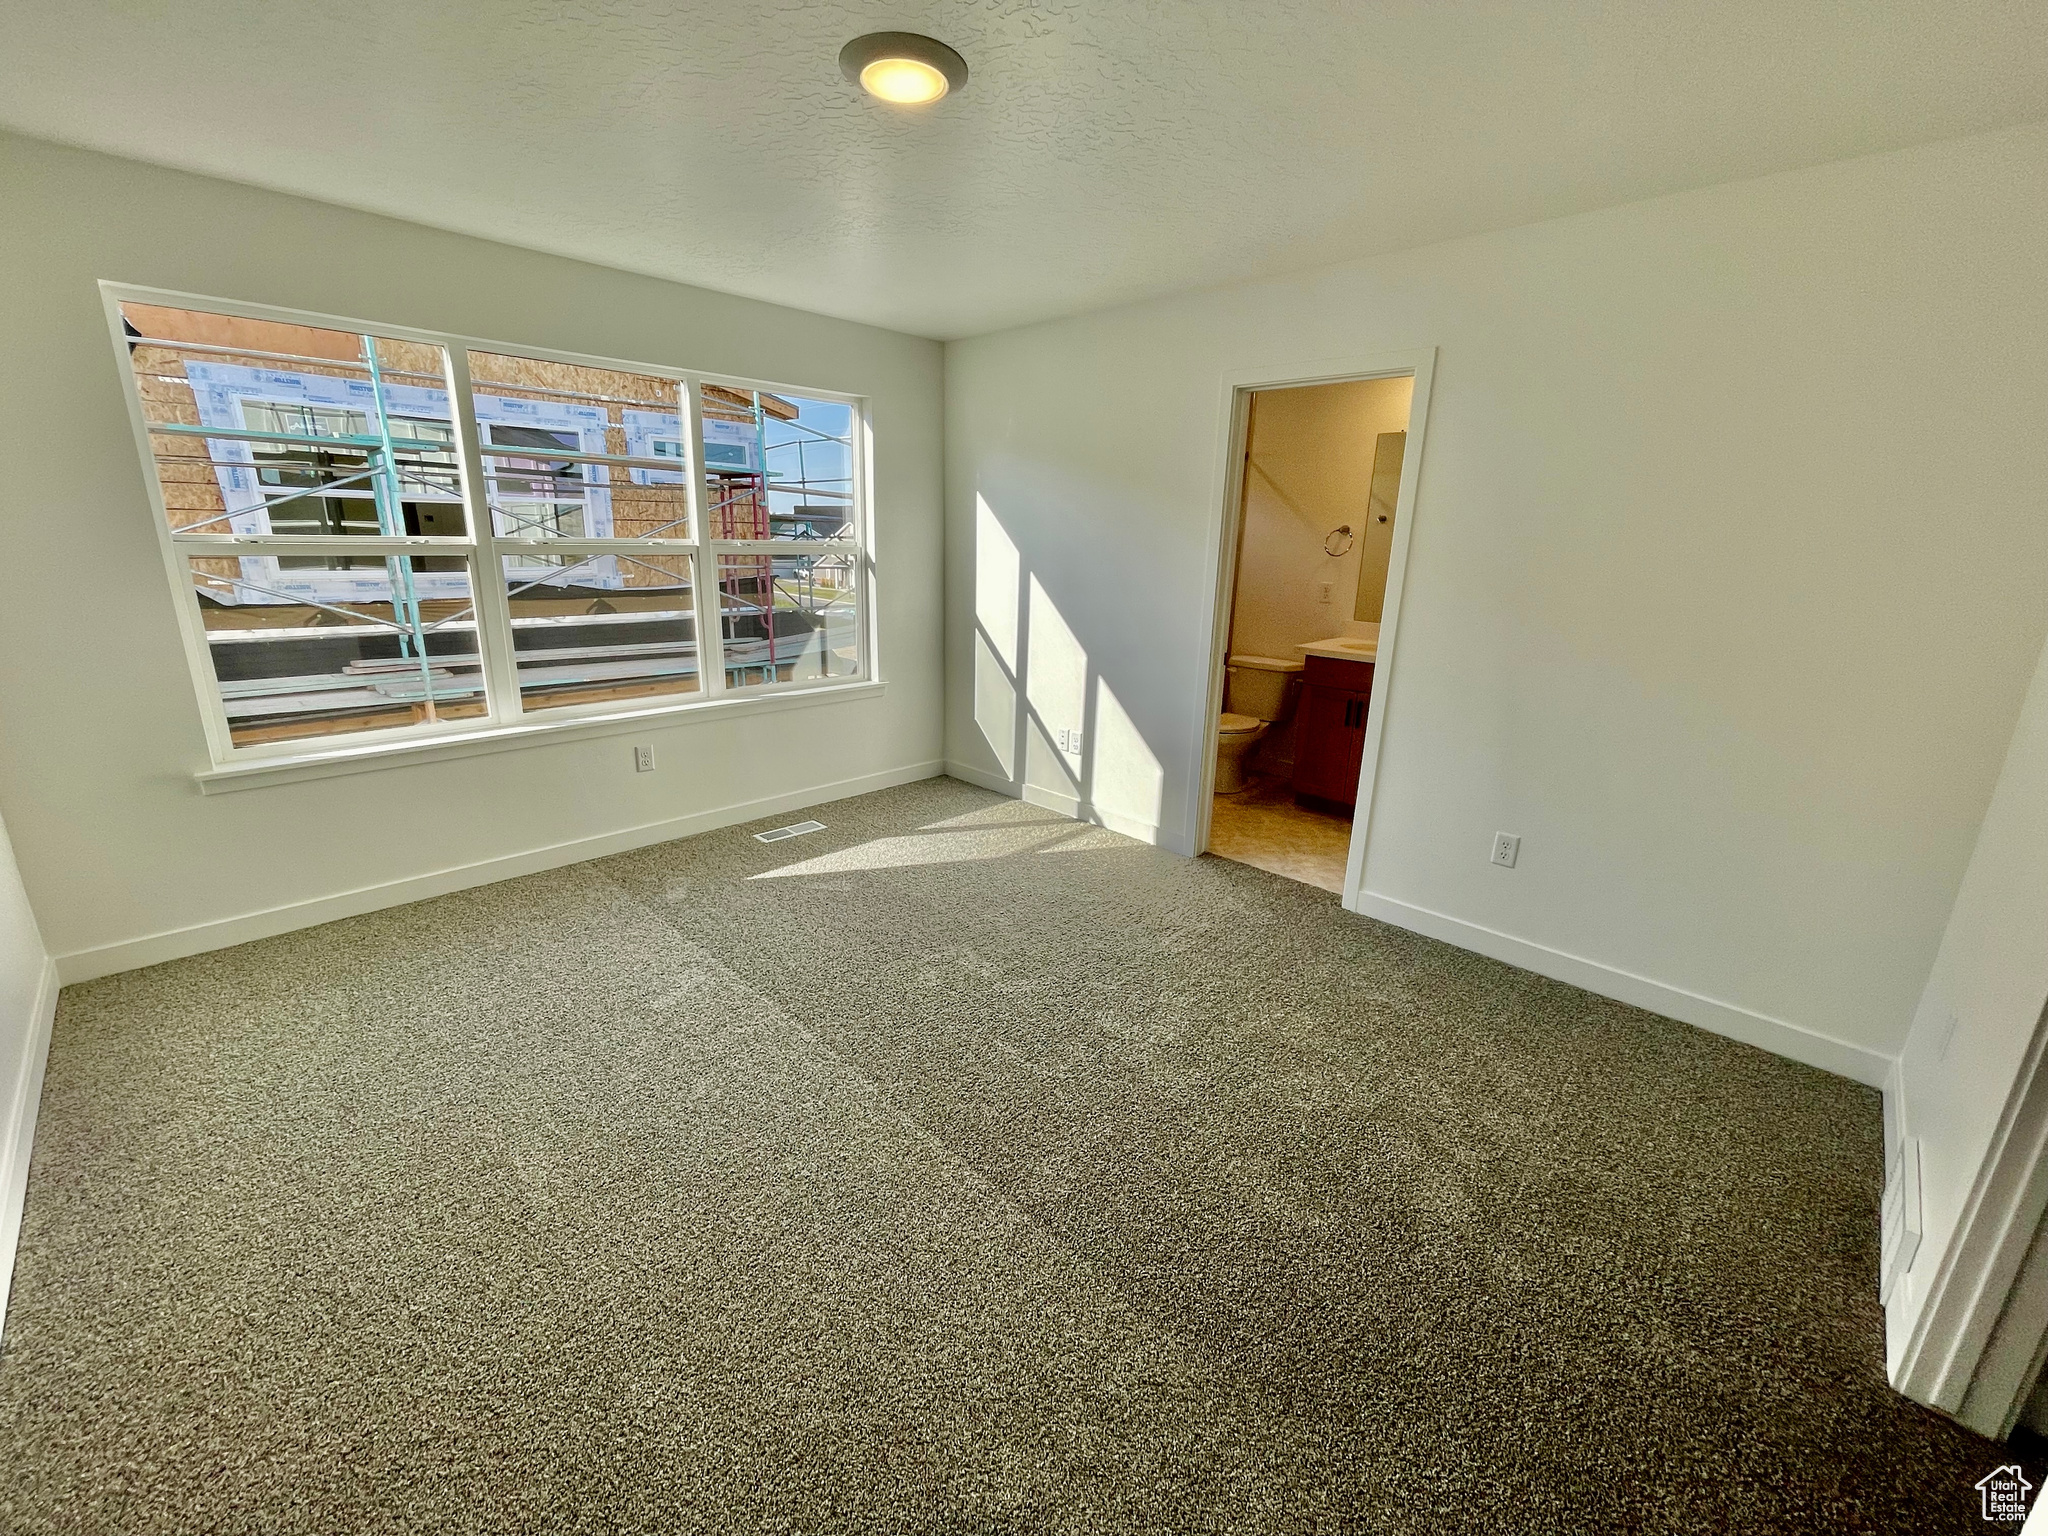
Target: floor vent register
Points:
(777, 834)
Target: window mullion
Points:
(600, 546)
(487, 569)
(786, 547)
(704, 588)
(227, 546)
(863, 488)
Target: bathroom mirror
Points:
(1376, 546)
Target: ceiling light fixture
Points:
(903, 68)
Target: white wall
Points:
(28, 994)
(1980, 1006)
(99, 733)
(1729, 570)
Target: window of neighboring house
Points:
(346, 503)
(540, 497)
(401, 535)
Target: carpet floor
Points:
(954, 1169)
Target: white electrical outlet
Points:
(1323, 591)
(1507, 847)
(643, 759)
(1074, 743)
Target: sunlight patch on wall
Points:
(1128, 780)
(1056, 684)
(997, 570)
(995, 706)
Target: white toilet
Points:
(1257, 691)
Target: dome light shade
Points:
(902, 67)
(906, 81)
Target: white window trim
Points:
(507, 726)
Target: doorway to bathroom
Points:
(1316, 506)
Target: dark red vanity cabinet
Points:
(1329, 732)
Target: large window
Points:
(409, 535)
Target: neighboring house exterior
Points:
(588, 627)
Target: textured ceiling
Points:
(1102, 150)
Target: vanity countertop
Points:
(1344, 647)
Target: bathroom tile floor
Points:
(1264, 828)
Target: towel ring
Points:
(1333, 536)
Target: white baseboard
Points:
(1855, 1062)
(24, 1094)
(1894, 1112)
(155, 948)
(1902, 1305)
(985, 780)
(1067, 805)
(1814, 1049)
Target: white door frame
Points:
(1228, 500)
(1977, 1343)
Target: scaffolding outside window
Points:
(408, 535)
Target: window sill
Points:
(327, 765)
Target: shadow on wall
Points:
(1055, 727)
